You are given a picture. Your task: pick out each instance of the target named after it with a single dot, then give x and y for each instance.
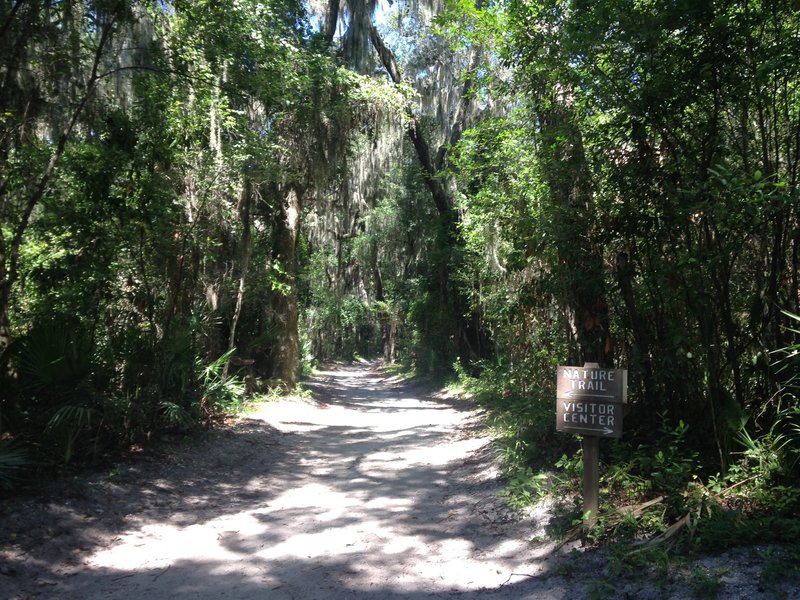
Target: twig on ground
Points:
(162, 572)
(517, 575)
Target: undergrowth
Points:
(657, 495)
(76, 427)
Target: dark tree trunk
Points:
(639, 327)
(286, 230)
(5, 323)
(331, 20)
(581, 264)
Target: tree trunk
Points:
(245, 202)
(430, 173)
(433, 166)
(386, 318)
(287, 228)
(639, 326)
(331, 20)
(581, 265)
(5, 323)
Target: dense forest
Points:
(201, 199)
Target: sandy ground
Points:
(372, 490)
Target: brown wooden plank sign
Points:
(589, 400)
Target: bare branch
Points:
(11, 15)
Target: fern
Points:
(175, 415)
(221, 393)
(54, 358)
(66, 426)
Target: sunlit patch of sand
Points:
(357, 498)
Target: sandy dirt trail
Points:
(370, 490)
(373, 490)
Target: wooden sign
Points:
(586, 417)
(589, 382)
(589, 400)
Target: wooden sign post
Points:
(591, 479)
(589, 402)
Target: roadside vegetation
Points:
(661, 498)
